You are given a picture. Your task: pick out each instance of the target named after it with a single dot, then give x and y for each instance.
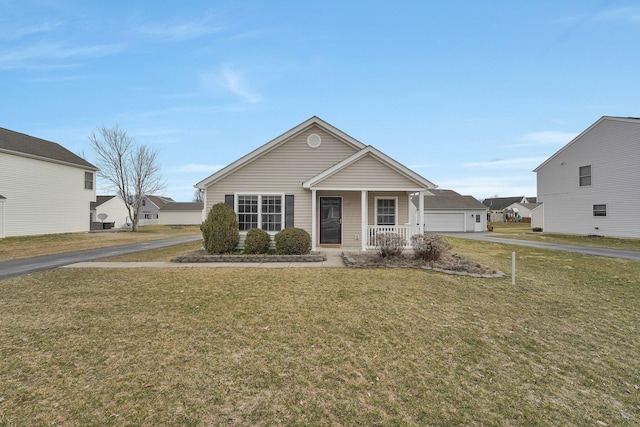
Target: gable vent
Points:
(314, 140)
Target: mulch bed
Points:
(449, 263)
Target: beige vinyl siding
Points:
(43, 197)
(367, 172)
(282, 171)
(611, 148)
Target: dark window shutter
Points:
(228, 200)
(288, 210)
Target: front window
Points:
(386, 213)
(88, 180)
(260, 211)
(585, 176)
(599, 210)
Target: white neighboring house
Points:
(523, 209)
(45, 188)
(449, 211)
(181, 213)
(590, 186)
(115, 209)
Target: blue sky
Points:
(471, 95)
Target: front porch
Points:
(353, 219)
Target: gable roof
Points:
(577, 138)
(499, 203)
(274, 143)
(20, 144)
(183, 206)
(380, 156)
(448, 199)
(100, 200)
(159, 201)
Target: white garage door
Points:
(444, 221)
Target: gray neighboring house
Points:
(45, 188)
(449, 211)
(590, 186)
(150, 209)
(181, 213)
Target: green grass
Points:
(523, 231)
(249, 346)
(30, 246)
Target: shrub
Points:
(293, 241)
(389, 244)
(220, 230)
(429, 247)
(257, 241)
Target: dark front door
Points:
(330, 220)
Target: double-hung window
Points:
(386, 211)
(88, 180)
(260, 211)
(584, 173)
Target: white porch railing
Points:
(144, 221)
(404, 231)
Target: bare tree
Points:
(133, 170)
(198, 195)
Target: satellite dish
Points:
(102, 216)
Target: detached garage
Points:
(448, 211)
(181, 213)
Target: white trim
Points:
(314, 220)
(364, 216)
(2, 233)
(391, 189)
(375, 205)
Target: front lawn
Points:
(242, 346)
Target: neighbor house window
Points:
(260, 211)
(88, 180)
(599, 210)
(386, 211)
(585, 175)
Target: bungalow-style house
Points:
(522, 211)
(590, 186)
(181, 213)
(111, 210)
(150, 209)
(449, 211)
(318, 178)
(45, 188)
(499, 207)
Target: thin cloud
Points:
(548, 137)
(631, 13)
(42, 54)
(13, 33)
(230, 80)
(180, 31)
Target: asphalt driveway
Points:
(585, 250)
(31, 265)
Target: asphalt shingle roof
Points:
(29, 146)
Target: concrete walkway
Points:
(334, 259)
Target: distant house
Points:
(522, 211)
(318, 178)
(448, 211)
(150, 209)
(181, 213)
(45, 188)
(590, 186)
(113, 207)
(500, 207)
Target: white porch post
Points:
(421, 211)
(364, 214)
(314, 228)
